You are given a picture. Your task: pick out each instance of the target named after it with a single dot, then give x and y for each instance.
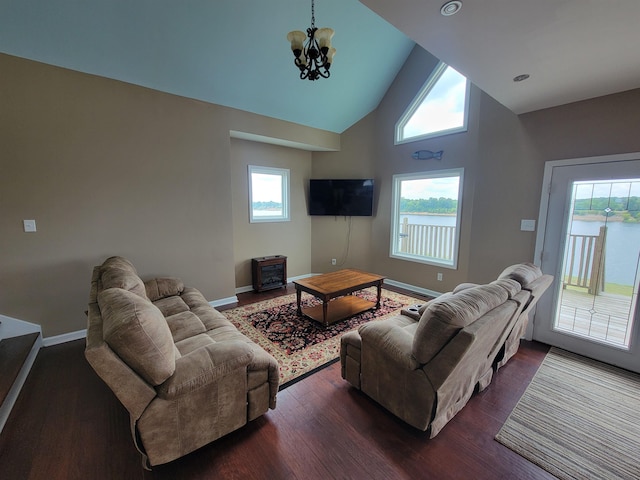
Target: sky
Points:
(446, 187)
(266, 188)
(606, 188)
(442, 109)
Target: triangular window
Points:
(440, 108)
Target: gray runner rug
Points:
(578, 419)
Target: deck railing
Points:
(436, 241)
(584, 262)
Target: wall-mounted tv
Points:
(341, 197)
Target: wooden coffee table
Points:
(335, 289)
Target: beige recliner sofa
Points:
(424, 365)
(181, 369)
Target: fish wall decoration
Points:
(427, 155)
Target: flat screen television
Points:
(341, 197)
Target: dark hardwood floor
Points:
(13, 353)
(67, 424)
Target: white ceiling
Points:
(572, 49)
(235, 53)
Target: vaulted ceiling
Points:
(571, 49)
(228, 52)
(235, 53)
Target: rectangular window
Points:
(268, 194)
(425, 217)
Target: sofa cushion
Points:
(171, 305)
(449, 313)
(523, 273)
(184, 325)
(193, 343)
(511, 286)
(163, 287)
(138, 333)
(119, 262)
(464, 286)
(118, 272)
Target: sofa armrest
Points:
(162, 287)
(537, 288)
(264, 362)
(394, 340)
(414, 311)
(204, 366)
(130, 388)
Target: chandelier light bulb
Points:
(323, 36)
(297, 39)
(330, 54)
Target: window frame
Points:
(395, 217)
(284, 175)
(416, 103)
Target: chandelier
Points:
(313, 57)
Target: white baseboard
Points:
(223, 301)
(406, 286)
(292, 279)
(249, 288)
(413, 288)
(12, 396)
(65, 337)
(12, 327)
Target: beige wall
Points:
(346, 240)
(375, 152)
(507, 179)
(459, 151)
(503, 158)
(291, 239)
(107, 168)
(246, 125)
(601, 126)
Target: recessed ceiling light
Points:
(520, 78)
(451, 8)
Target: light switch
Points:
(29, 225)
(528, 225)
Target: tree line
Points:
(429, 205)
(626, 207)
(271, 205)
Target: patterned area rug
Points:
(299, 344)
(578, 419)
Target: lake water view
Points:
(622, 251)
(622, 248)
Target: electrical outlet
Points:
(334, 261)
(439, 276)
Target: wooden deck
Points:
(606, 318)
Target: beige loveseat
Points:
(181, 369)
(424, 365)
